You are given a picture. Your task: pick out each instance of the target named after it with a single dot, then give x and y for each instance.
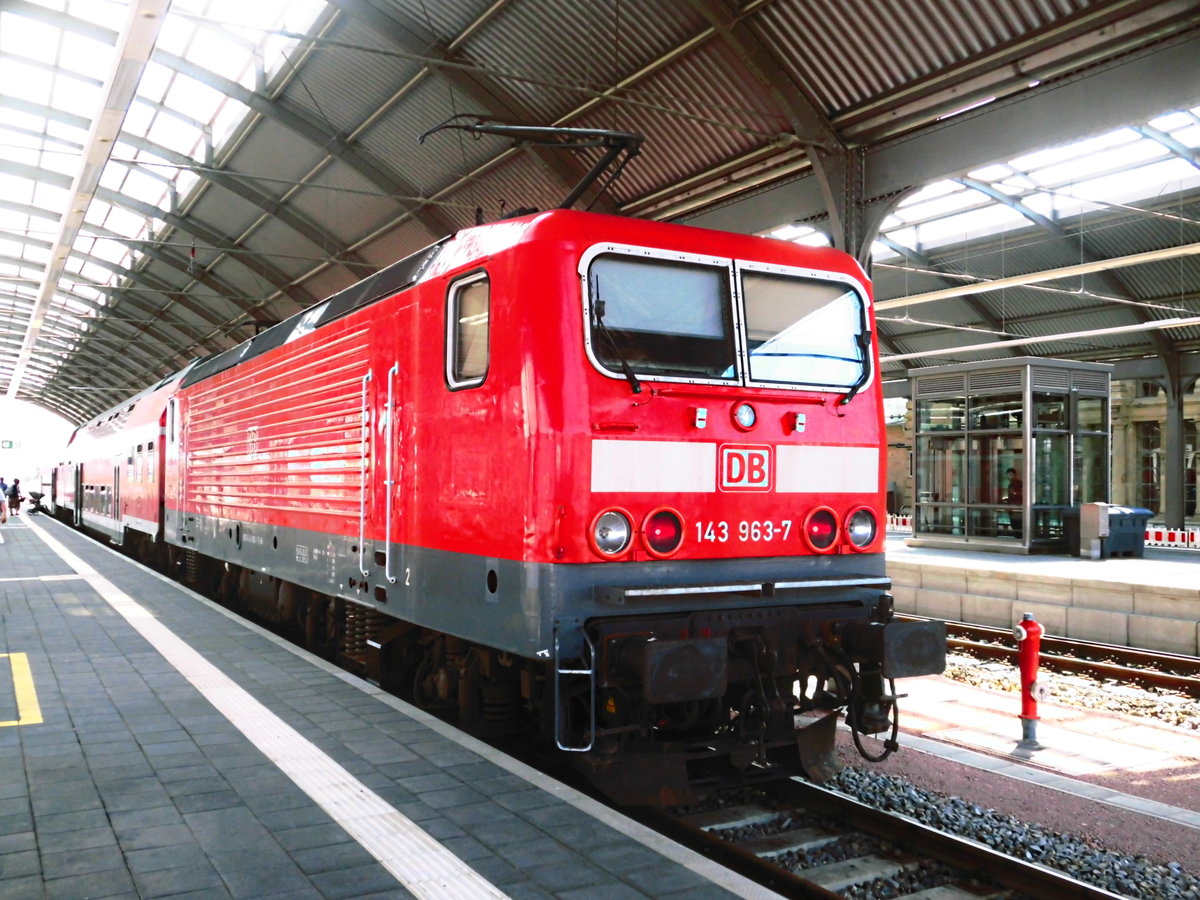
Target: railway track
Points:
(808, 842)
(1128, 665)
(805, 841)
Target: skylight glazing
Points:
(53, 68)
(1122, 167)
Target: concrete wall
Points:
(1153, 618)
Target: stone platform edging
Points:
(1152, 617)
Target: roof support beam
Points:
(192, 227)
(998, 284)
(319, 135)
(1127, 92)
(1114, 282)
(976, 307)
(809, 125)
(133, 49)
(1178, 322)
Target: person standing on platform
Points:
(1016, 489)
(14, 498)
(1015, 496)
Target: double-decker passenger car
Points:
(619, 480)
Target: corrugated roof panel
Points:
(447, 19)
(273, 157)
(219, 213)
(444, 157)
(346, 203)
(283, 248)
(353, 71)
(847, 52)
(396, 243)
(690, 122)
(593, 49)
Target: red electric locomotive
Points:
(615, 479)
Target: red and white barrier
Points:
(1156, 535)
(1172, 538)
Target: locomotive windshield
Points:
(662, 318)
(675, 319)
(802, 330)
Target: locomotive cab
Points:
(724, 521)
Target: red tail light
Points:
(821, 529)
(662, 532)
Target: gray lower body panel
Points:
(523, 607)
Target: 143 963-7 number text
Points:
(719, 531)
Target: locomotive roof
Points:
(477, 243)
(384, 283)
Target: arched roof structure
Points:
(177, 175)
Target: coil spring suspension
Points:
(376, 623)
(500, 703)
(355, 633)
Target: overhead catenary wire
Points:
(1045, 275)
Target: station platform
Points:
(1127, 763)
(1162, 567)
(1151, 602)
(153, 745)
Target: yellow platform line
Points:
(27, 702)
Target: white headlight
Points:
(861, 527)
(612, 533)
(745, 416)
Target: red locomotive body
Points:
(618, 478)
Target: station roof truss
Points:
(177, 176)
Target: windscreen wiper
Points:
(864, 342)
(598, 316)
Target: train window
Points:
(661, 317)
(467, 331)
(804, 330)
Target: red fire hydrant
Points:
(1029, 640)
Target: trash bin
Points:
(1126, 531)
(1070, 519)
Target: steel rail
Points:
(1029, 878)
(911, 838)
(1148, 668)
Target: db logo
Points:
(744, 467)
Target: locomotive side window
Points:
(661, 317)
(804, 330)
(467, 332)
